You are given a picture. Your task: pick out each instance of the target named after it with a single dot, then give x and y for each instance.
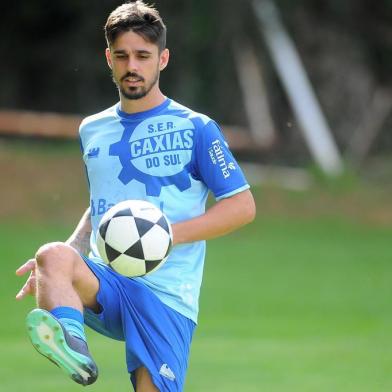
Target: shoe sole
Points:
(47, 337)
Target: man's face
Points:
(135, 64)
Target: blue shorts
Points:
(156, 336)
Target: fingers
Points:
(22, 293)
(26, 267)
(27, 289)
(29, 286)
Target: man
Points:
(145, 147)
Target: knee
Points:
(53, 254)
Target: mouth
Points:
(133, 80)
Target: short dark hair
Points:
(141, 18)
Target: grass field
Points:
(298, 301)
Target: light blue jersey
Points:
(172, 157)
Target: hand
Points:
(29, 287)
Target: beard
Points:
(137, 92)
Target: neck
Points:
(150, 101)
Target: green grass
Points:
(288, 304)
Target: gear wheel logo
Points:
(157, 153)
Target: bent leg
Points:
(64, 279)
(65, 285)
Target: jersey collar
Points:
(144, 114)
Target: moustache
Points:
(132, 75)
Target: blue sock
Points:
(71, 319)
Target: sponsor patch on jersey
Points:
(218, 157)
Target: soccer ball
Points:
(134, 238)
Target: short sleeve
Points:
(215, 165)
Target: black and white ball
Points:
(134, 237)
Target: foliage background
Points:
(54, 61)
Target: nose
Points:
(132, 65)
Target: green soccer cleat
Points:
(53, 341)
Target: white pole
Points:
(299, 90)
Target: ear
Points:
(108, 58)
(164, 59)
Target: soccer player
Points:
(146, 146)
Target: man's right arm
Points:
(80, 238)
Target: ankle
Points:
(71, 319)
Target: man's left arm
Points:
(223, 217)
